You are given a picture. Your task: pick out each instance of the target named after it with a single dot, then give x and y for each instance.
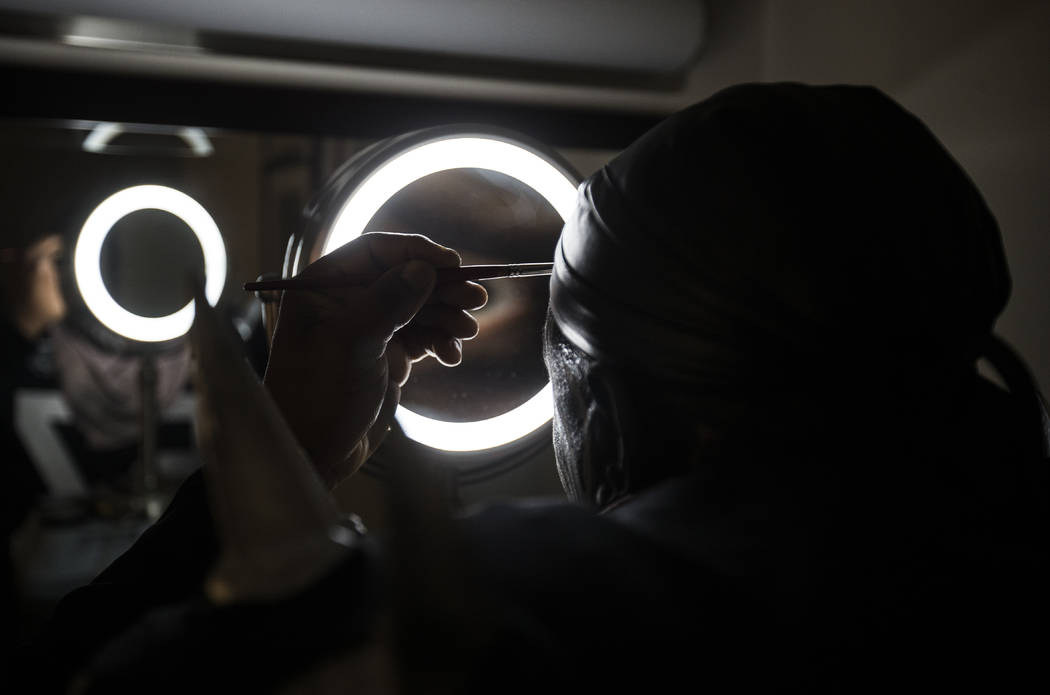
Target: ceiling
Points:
(378, 45)
(586, 73)
(651, 36)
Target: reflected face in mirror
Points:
(36, 298)
(488, 218)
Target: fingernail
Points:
(417, 275)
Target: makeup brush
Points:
(458, 274)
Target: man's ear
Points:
(609, 437)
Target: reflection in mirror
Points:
(71, 397)
(488, 217)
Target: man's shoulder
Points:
(595, 587)
(550, 548)
(553, 528)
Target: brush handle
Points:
(460, 274)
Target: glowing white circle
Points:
(459, 152)
(87, 265)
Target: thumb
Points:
(399, 293)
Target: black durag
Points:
(777, 246)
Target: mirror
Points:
(488, 217)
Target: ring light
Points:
(460, 151)
(87, 259)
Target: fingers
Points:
(375, 313)
(392, 300)
(448, 352)
(454, 323)
(390, 249)
(399, 364)
(435, 329)
(462, 295)
(419, 341)
(377, 252)
(438, 330)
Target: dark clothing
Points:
(18, 479)
(737, 578)
(556, 574)
(165, 566)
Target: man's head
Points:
(32, 292)
(746, 268)
(37, 214)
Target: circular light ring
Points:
(480, 434)
(87, 261)
(459, 151)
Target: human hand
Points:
(340, 356)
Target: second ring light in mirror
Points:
(496, 197)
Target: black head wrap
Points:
(776, 235)
(794, 283)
